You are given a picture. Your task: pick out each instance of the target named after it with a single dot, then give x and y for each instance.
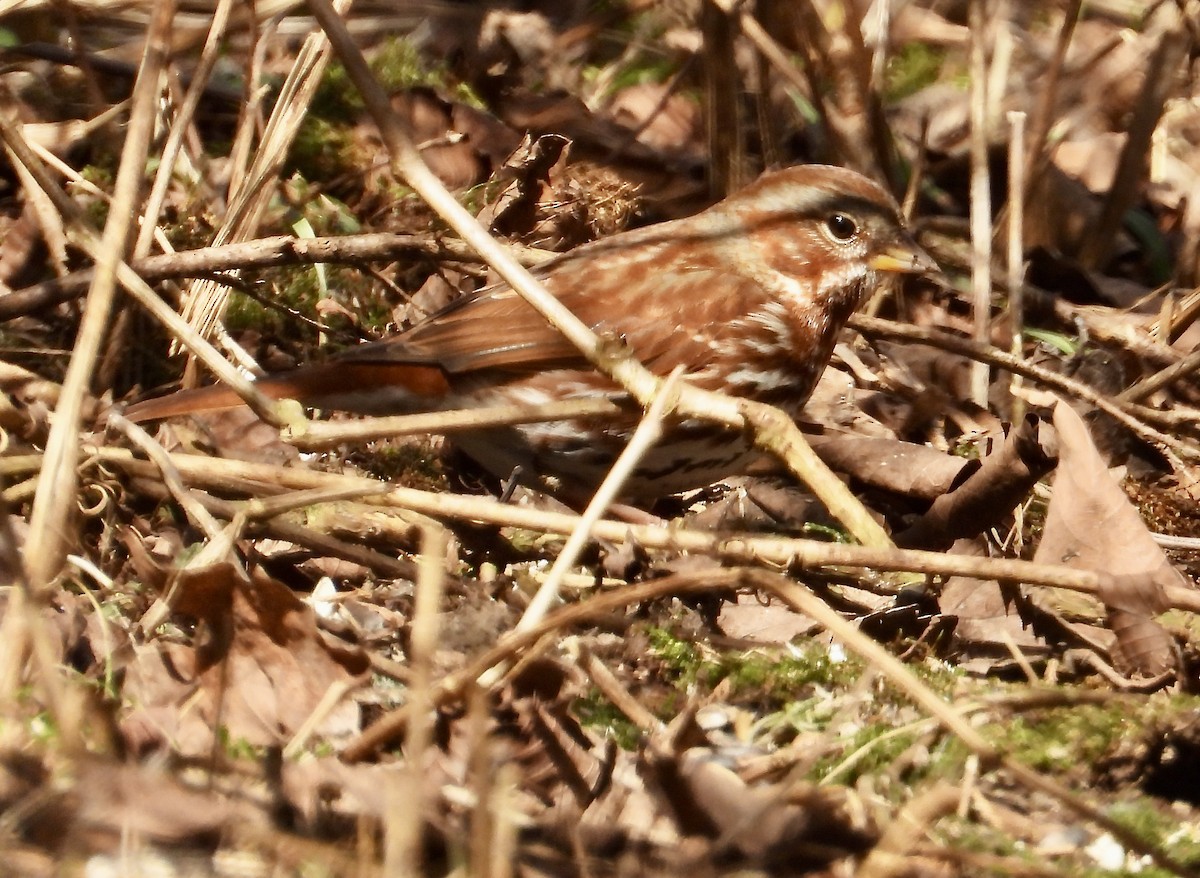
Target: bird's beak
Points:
(904, 257)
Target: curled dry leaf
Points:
(1092, 525)
(257, 666)
(906, 468)
(460, 144)
(528, 204)
(990, 492)
(763, 822)
(989, 623)
(750, 618)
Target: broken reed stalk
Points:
(981, 198)
(612, 359)
(1000, 54)
(1016, 253)
(406, 813)
(1015, 277)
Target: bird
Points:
(747, 296)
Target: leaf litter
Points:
(257, 697)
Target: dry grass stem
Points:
(405, 828)
(180, 125)
(205, 301)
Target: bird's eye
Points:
(842, 227)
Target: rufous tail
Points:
(365, 388)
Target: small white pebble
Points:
(1107, 853)
(321, 599)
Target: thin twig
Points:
(612, 689)
(877, 328)
(270, 252)
(196, 513)
(201, 470)
(1189, 365)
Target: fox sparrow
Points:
(748, 296)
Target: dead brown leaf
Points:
(257, 667)
(1092, 525)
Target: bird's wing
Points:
(497, 329)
